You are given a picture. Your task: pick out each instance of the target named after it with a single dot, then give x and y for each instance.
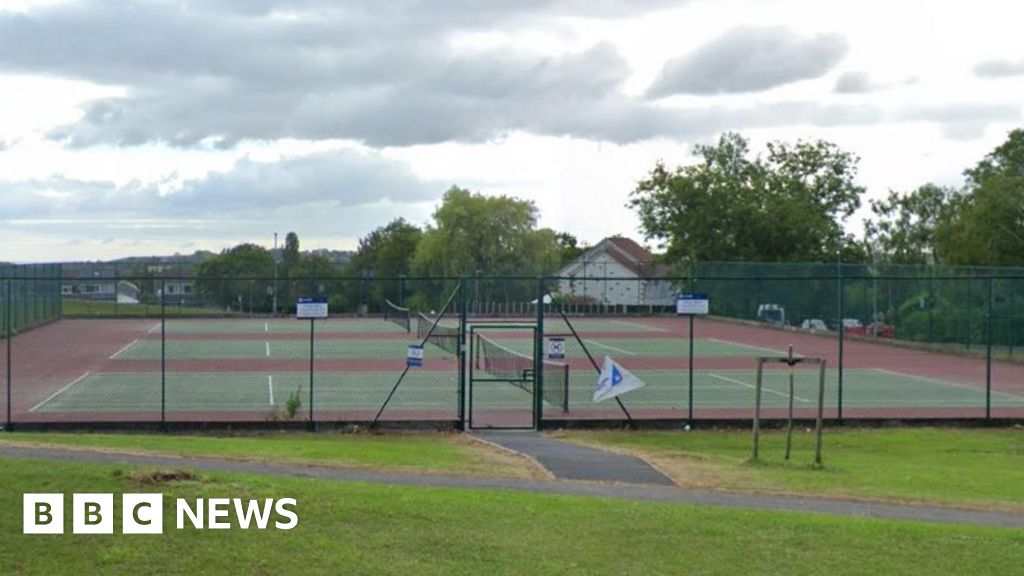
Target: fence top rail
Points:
(678, 279)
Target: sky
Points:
(155, 128)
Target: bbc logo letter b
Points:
(42, 513)
(92, 513)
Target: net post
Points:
(757, 411)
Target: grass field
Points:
(372, 529)
(978, 467)
(420, 452)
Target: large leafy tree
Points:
(988, 227)
(495, 235)
(238, 276)
(786, 206)
(903, 230)
(384, 255)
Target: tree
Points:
(788, 206)
(476, 235)
(239, 277)
(904, 231)
(385, 253)
(568, 248)
(495, 235)
(989, 224)
(290, 256)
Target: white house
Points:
(616, 271)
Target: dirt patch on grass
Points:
(157, 476)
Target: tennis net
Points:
(444, 337)
(517, 369)
(398, 315)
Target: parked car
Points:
(771, 314)
(814, 324)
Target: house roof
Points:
(626, 252)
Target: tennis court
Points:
(256, 369)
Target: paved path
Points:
(619, 491)
(568, 461)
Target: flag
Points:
(614, 380)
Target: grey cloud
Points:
(383, 73)
(747, 60)
(854, 82)
(329, 183)
(999, 68)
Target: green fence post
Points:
(10, 336)
(538, 359)
(163, 358)
(842, 330)
(462, 350)
(988, 356)
(689, 392)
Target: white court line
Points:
(268, 348)
(61, 391)
(596, 343)
(741, 345)
(266, 326)
(927, 379)
(751, 386)
(126, 346)
(270, 386)
(154, 328)
(643, 326)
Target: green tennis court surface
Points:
(371, 348)
(437, 391)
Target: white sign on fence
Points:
(307, 308)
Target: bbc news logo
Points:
(144, 513)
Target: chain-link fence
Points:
(516, 352)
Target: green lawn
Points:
(351, 528)
(983, 467)
(426, 452)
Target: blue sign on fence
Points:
(692, 303)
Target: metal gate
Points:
(503, 376)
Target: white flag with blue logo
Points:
(614, 380)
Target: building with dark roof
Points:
(617, 271)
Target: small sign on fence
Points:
(556, 348)
(414, 357)
(692, 303)
(311, 308)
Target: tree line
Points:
(789, 203)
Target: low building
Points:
(617, 271)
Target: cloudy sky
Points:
(131, 128)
